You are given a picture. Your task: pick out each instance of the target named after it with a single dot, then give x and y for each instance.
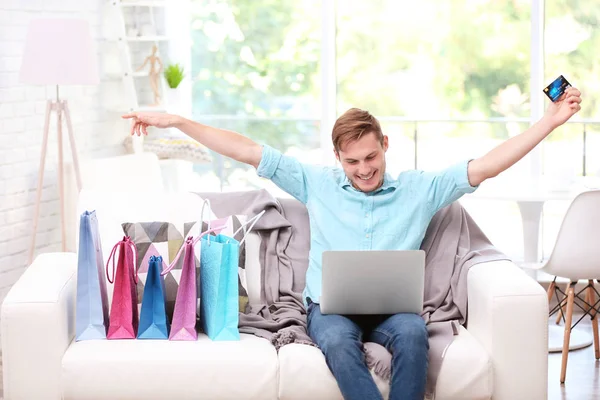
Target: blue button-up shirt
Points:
(394, 217)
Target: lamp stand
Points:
(61, 108)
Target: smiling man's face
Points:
(363, 161)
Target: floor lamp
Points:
(58, 52)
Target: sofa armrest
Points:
(508, 314)
(37, 326)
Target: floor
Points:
(583, 373)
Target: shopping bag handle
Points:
(252, 221)
(189, 240)
(205, 202)
(127, 242)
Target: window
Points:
(434, 59)
(448, 80)
(571, 43)
(256, 71)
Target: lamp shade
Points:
(59, 51)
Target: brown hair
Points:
(352, 125)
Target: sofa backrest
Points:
(125, 173)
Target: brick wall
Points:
(98, 131)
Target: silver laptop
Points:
(372, 282)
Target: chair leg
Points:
(561, 304)
(567, 338)
(594, 316)
(551, 290)
(588, 297)
(559, 315)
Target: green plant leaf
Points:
(174, 75)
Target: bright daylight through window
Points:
(448, 80)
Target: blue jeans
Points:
(340, 339)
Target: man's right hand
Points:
(142, 120)
(227, 143)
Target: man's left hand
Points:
(565, 107)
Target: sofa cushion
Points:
(303, 374)
(159, 369)
(466, 373)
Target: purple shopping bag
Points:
(183, 326)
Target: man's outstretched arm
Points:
(227, 143)
(508, 153)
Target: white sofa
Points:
(502, 355)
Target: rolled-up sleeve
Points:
(448, 185)
(286, 172)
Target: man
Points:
(360, 207)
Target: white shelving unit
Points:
(147, 38)
(133, 80)
(137, 94)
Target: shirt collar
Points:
(388, 183)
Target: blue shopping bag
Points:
(219, 257)
(91, 315)
(153, 317)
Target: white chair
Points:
(576, 257)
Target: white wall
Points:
(97, 131)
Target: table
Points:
(531, 203)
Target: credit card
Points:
(557, 88)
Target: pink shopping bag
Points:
(123, 320)
(183, 326)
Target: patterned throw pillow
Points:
(161, 239)
(165, 239)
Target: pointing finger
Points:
(133, 128)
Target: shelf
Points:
(158, 108)
(116, 76)
(125, 109)
(147, 38)
(143, 4)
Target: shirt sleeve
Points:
(446, 186)
(288, 173)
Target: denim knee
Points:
(412, 333)
(337, 343)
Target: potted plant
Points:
(173, 74)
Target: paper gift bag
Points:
(232, 225)
(91, 316)
(153, 317)
(219, 258)
(218, 278)
(123, 312)
(183, 326)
